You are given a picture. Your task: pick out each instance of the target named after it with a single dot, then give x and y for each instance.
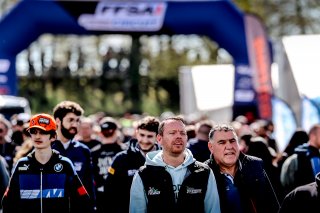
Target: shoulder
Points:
(80, 145)
(66, 164)
(291, 159)
(121, 156)
(151, 169)
(192, 141)
(199, 164)
(251, 162)
(22, 161)
(250, 159)
(198, 167)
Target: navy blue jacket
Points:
(52, 187)
(80, 156)
(304, 198)
(256, 191)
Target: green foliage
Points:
(117, 93)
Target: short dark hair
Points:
(163, 122)
(65, 107)
(220, 127)
(149, 123)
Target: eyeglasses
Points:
(34, 131)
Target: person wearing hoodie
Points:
(301, 167)
(126, 163)
(171, 179)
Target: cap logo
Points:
(105, 125)
(44, 121)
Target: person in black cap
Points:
(111, 144)
(126, 163)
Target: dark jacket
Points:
(199, 149)
(297, 170)
(120, 175)
(191, 194)
(303, 198)
(54, 187)
(80, 156)
(256, 191)
(4, 176)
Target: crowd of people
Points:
(65, 161)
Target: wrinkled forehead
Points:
(224, 134)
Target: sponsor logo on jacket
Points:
(153, 191)
(25, 167)
(46, 193)
(191, 190)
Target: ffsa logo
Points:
(125, 16)
(129, 9)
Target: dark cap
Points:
(108, 123)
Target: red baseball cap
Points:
(43, 121)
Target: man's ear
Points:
(209, 145)
(159, 139)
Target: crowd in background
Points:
(116, 149)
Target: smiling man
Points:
(243, 184)
(172, 180)
(126, 163)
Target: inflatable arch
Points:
(220, 20)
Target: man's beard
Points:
(65, 132)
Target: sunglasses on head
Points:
(34, 131)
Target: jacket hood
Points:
(154, 158)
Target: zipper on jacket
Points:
(41, 207)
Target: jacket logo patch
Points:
(111, 170)
(131, 172)
(191, 190)
(78, 166)
(153, 191)
(24, 167)
(58, 167)
(46, 193)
